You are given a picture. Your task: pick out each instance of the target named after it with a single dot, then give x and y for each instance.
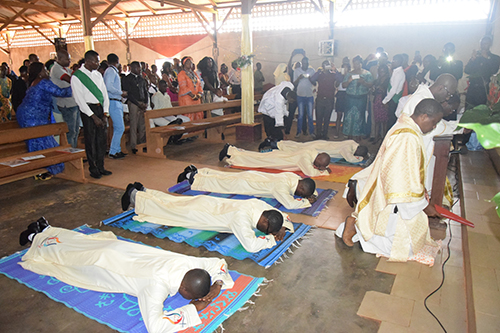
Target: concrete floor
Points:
(318, 289)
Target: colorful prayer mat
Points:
(225, 244)
(121, 311)
(323, 197)
(339, 174)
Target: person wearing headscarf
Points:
(280, 75)
(190, 90)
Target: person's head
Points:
(428, 61)
(258, 66)
(370, 57)
(167, 67)
(321, 161)
(357, 61)
(383, 59)
(206, 65)
(26, 62)
(218, 92)
(3, 70)
(486, 43)
(195, 284)
(305, 63)
(448, 49)
(63, 58)
(162, 86)
(305, 188)
(23, 72)
(33, 58)
(327, 65)
(135, 68)
(91, 60)
(383, 71)
(234, 65)
(187, 63)
(379, 51)
(113, 59)
(7, 66)
(224, 69)
(81, 62)
(124, 68)
(143, 66)
(427, 114)
(290, 95)
(49, 64)
(450, 106)
(103, 66)
(154, 69)
(346, 62)
(37, 70)
(298, 64)
(444, 87)
(397, 61)
(176, 62)
(270, 222)
(119, 68)
(361, 151)
(413, 85)
(406, 60)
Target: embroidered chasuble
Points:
(395, 192)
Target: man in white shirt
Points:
(115, 93)
(308, 161)
(203, 212)
(395, 88)
(160, 100)
(103, 263)
(235, 80)
(91, 95)
(60, 75)
(305, 99)
(281, 186)
(274, 109)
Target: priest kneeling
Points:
(101, 262)
(391, 215)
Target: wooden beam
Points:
(36, 29)
(104, 13)
(203, 24)
(145, 4)
(225, 18)
(114, 33)
(4, 50)
(183, 4)
(213, 3)
(18, 4)
(21, 12)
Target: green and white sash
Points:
(90, 85)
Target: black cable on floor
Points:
(442, 281)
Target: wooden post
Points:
(86, 25)
(442, 153)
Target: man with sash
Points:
(391, 216)
(91, 96)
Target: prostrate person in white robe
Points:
(443, 92)
(203, 212)
(103, 263)
(349, 150)
(308, 161)
(282, 186)
(391, 215)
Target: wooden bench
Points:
(157, 137)
(73, 169)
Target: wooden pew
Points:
(157, 137)
(73, 169)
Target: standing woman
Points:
(209, 76)
(36, 109)
(170, 77)
(357, 83)
(380, 112)
(190, 90)
(224, 78)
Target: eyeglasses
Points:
(448, 92)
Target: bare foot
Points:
(349, 231)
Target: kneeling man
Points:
(308, 161)
(281, 186)
(101, 262)
(391, 215)
(204, 212)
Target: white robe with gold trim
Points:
(336, 149)
(281, 186)
(103, 263)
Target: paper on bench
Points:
(29, 158)
(14, 163)
(70, 150)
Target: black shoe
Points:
(134, 151)
(42, 223)
(223, 152)
(33, 228)
(117, 156)
(191, 168)
(264, 144)
(182, 176)
(105, 172)
(95, 175)
(139, 187)
(126, 196)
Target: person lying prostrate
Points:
(239, 217)
(308, 161)
(103, 263)
(282, 186)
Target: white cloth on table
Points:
(103, 263)
(203, 212)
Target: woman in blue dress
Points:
(357, 83)
(36, 109)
